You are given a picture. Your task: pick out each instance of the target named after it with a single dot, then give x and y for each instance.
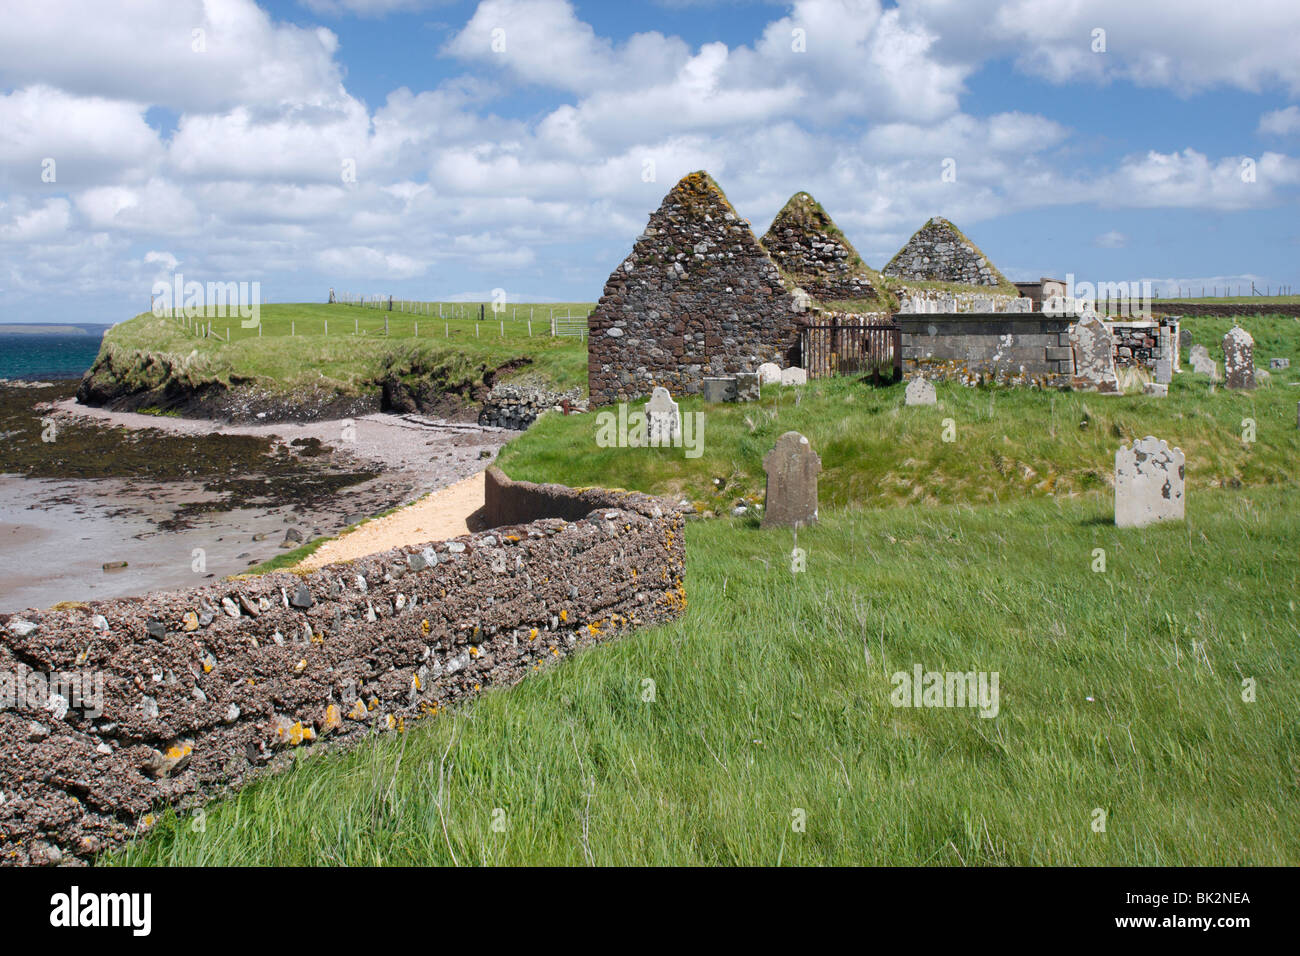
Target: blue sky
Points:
(505, 143)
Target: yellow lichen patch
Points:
(178, 752)
(555, 652)
(358, 711)
(564, 616)
(425, 628)
(415, 682)
(295, 734)
(300, 666)
(332, 720)
(594, 628)
(532, 634)
(473, 651)
(374, 702)
(318, 638)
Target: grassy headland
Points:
(338, 349)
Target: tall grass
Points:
(1120, 691)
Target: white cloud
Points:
(1285, 122)
(365, 8)
(148, 51)
(1114, 239)
(48, 221)
(87, 137)
(1182, 45)
(370, 263)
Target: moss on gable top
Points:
(801, 241)
(939, 229)
(698, 191)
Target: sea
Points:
(47, 356)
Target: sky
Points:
(442, 150)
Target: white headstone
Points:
(920, 391)
(1149, 480)
(663, 419)
(794, 376)
(769, 373)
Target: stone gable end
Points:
(938, 252)
(697, 297)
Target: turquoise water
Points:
(47, 356)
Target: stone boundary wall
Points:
(517, 406)
(1225, 310)
(206, 689)
(1013, 348)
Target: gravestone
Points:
(719, 390)
(1094, 356)
(1149, 480)
(1277, 364)
(1238, 359)
(920, 391)
(1202, 363)
(794, 376)
(769, 373)
(1158, 389)
(747, 387)
(1165, 357)
(1184, 340)
(792, 468)
(663, 419)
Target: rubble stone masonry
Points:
(697, 297)
(205, 689)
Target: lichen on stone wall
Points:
(205, 689)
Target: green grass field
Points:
(1119, 690)
(344, 347)
(1123, 689)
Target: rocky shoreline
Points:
(181, 500)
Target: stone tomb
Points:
(920, 391)
(792, 468)
(1149, 479)
(1238, 359)
(720, 390)
(1094, 356)
(747, 387)
(663, 419)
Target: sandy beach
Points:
(57, 534)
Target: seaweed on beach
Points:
(238, 469)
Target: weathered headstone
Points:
(1238, 359)
(1165, 358)
(1158, 389)
(794, 376)
(792, 467)
(1184, 340)
(747, 387)
(920, 391)
(1277, 364)
(663, 419)
(1094, 356)
(1202, 363)
(1149, 480)
(719, 390)
(769, 373)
